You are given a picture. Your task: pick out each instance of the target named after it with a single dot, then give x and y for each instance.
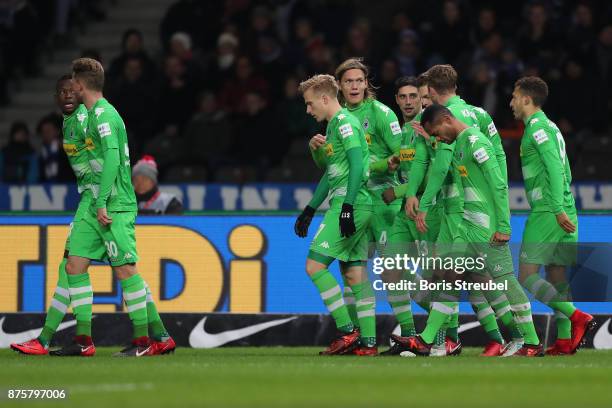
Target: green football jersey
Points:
(383, 135)
(107, 131)
(407, 151)
(76, 145)
(488, 128)
(546, 168)
(343, 133)
(485, 192)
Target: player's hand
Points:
(303, 222)
(316, 141)
(347, 221)
(103, 217)
(393, 163)
(565, 223)
(412, 206)
(388, 195)
(419, 129)
(499, 238)
(420, 222)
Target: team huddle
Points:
(437, 185)
(95, 141)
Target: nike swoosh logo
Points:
(603, 337)
(463, 328)
(200, 338)
(468, 326)
(7, 338)
(145, 351)
(85, 349)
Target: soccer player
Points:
(383, 135)
(551, 232)
(108, 225)
(442, 84)
(75, 145)
(484, 229)
(342, 234)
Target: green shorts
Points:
(473, 252)
(382, 221)
(329, 243)
(116, 242)
(85, 202)
(449, 225)
(546, 243)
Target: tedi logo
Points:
(185, 270)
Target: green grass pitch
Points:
(298, 377)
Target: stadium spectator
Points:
(408, 54)
(132, 46)
(54, 166)
(18, 160)
(152, 201)
(209, 132)
(294, 122)
(538, 39)
(177, 99)
(487, 24)
(245, 80)
(137, 100)
(451, 33)
(388, 75)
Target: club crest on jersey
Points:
(366, 124)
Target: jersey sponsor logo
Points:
(70, 149)
(603, 337)
(368, 138)
(346, 130)
(407, 154)
(481, 155)
(200, 338)
(98, 112)
(89, 143)
(329, 149)
(396, 128)
(492, 129)
(462, 171)
(540, 136)
(104, 129)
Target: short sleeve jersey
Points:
(76, 145)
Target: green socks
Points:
(400, 303)
(135, 296)
(332, 297)
(366, 313)
(349, 301)
(59, 306)
(520, 306)
(156, 326)
(438, 316)
(546, 293)
(81, 300)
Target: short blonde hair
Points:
(442, 78)
(90, 71)
(320, 83)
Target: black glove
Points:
(347, 221)
(303, 222)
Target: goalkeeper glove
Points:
(303, 222)
(347, 221)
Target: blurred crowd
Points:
(220, 102)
